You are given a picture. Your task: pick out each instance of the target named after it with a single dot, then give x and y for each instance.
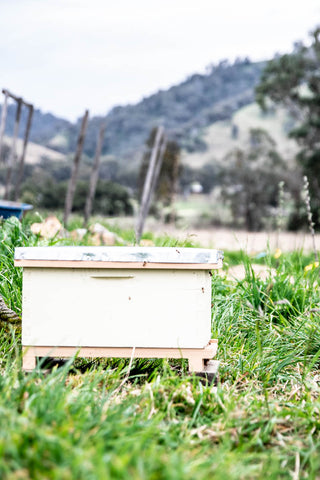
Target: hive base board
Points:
(197, 357)
(209, 375)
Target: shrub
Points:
(110, 199)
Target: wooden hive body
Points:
(116, 297)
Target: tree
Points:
(5, 152)
(169, 173)
(250, 180)
(293, 80)
(110, 199)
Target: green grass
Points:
(293, 260)
(100, 420)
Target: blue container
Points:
(13, 209)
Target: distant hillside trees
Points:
(184, 110)
(45, 186)
(250, 180)
(293, 80)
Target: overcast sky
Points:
(68, 55)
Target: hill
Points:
(36, 152)
(220, 137)
(184, 110)
(45, 128)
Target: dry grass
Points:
(36, 152)
(219, 141)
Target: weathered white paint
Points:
(121, 254)
(117, 300)
(116, 308)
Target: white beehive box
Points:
(130, 297)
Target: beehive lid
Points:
(118, 257)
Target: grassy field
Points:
(100, 420)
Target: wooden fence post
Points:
(23, 155)
(94, 176)
(3, 120)
(75, 168)
(145, 199)
(12, 156)
(157, 169)
(173, 191)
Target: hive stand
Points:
(199, 359)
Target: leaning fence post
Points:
(94, 175)
(3, 119)
(75, 168)
(157, 169)
(13, 149)
(23, 155)
(145, 199)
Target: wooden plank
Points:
(94, 176)
(12, 157)
(23, 155)
(29, 359)
(115, 265)
(195, 356)
(138, 255)
(145, 200)
(5, 91)
(158, 166)
(75, 168)
(154, 182)
(19, 100)
(206, 352)
(3, 120)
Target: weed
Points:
(309, 214)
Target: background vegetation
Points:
(293, 80)
(101, 419)
(235, 156)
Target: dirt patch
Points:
(228, 239)
(238, 272)
(250, 242)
